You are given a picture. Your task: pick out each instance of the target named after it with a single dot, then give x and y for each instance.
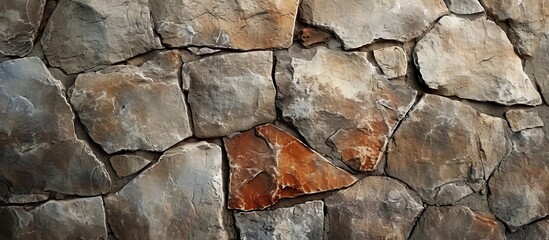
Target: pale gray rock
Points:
(521, 119)
(527, 139)
(242, 24)
(464, 6)
(133, 108)
(457, 222)
(203, 50)
(128, 164)
(446, 150)
(392, 61)
(537, 230)
(359, 22)
(82, 218)
(19, 25)
(230, 92)
(85, 34)
(179, 197)
(39, 151)
(340, 104)
(302, 221)
(373, 208)
(473, 59)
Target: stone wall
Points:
(256, 119)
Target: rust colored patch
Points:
(311, 36)
(268, 164)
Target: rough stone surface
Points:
(231, 92)
(311, 36)
(537, 230)
(84, 34)
(457, 222)
(179, 197)
(464, 6)
(267, 164)
(82, 218)
(520, 188)
(203, 50)
(340, 104)
(522, 119)
(128, 164)
(243, 24)
(374, 208)
(302, 221)
(133, 108)
(39, 151)
(359, 22)
(445, 149)
(19, 25)
(473, 59)
(392, 61)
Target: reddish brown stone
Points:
(311, 36)
(268, 164)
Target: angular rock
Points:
(536, 66)
(20, 22)
(312, 36)
(128, 164)
(133, 108)
(340, 104)
(537, 230)
(231, 92)
(243, 25)
(82, 218)
(203, 50)
(39, 151)
(464, 6)
(457, 222)
(392, 61)
(446, 150)
(528, 139)
(302, 221)
(84, 34)
(521, 119)
(519, 189)
(473, 59)
(374, 208)
(267, 164)
(373, 20)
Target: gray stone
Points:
(374, 208)
(85, 34)
(457, 222)
(473, 59)
(128, 164)
(82, 218)
(39, 151)
(464, 6)
(203, 50)
(340, 104)
(19, 25)
(446, 150)
(243, 24)
(392, 61)
(230, 92)
(528, 139)
(521, 119)
(302, 221)
(133, 108)
(179, 197)
(537, 230)
(359, 22)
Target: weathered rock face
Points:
(537, 230)
(84, 34)
(312, 36)
(464, 6)
(128, 164)
(457, 222)
(242, 24)
(473, 59)
(374, 208)
(267, 164)
(231, 92)
(392, 61)
(82, 218)
(522, 119)
(133, 108)
(303, 221)
(359, 22)
(340, 104)
(445, 149)
(180, 197)
(520, 188)
(536, 66)
(39, 151)
(20, 22)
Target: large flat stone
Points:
(340, 104)
(128, 164)
(473, 59)
(446, 150)
(179, 197)
(464, 6)
(267, 164)
(19, 25)
(359, 22)
(520, 119)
